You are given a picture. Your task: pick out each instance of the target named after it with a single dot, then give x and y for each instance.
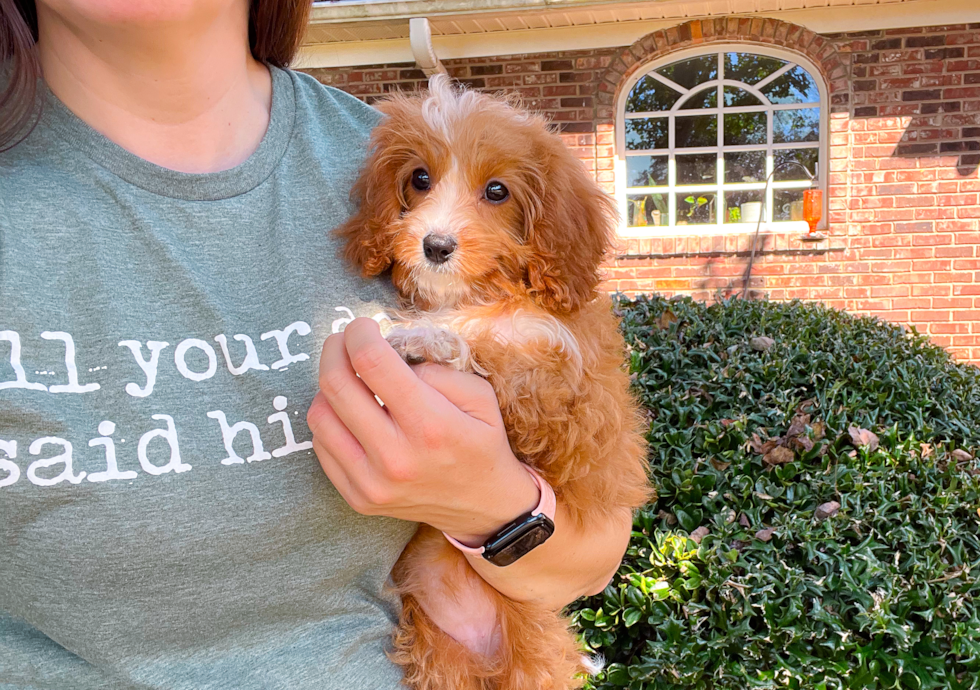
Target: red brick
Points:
(894, 315)
(913, 303)
(952, 302)
(957, 200)
(902, 267)
(959, 251)
(672, 284)
(942, 277)
(889, 291)
(931, 315)
(932, 290)
(948, 328)
(894, 189)
(932, 265)
(912, 278)
(857, 292)
(932, 240)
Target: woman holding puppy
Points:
(167, 280)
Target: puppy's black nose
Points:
(438, 248)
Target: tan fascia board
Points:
(358, 10)
(820, 20)
(395, 50)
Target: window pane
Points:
(649, 95)
(750, 68)
(795, 86)
(784, 163)
(796, 125)
(646, 209)
(735, 97)
(787, 204)
(690, 73)
(646, 133)
(745, 128)
(708, 98)
(696, 209)
(698, 130)
(744, 206)
(785, 112)
(745, 166)
(701, 168)
(646, 171)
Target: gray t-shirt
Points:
(163, 520)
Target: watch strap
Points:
(547, 506)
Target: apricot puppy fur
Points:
(494, 232)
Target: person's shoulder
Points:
(335, 112)
(40, 163)
(330, 139)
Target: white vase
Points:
(751, 211)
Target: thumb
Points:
(468, 392)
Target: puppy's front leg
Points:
(418, 343)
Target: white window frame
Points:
(720, 186)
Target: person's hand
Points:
(437, 452)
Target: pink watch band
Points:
(547, 505)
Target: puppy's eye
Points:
(420, 179)
(496, 192)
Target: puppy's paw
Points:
(436, 345)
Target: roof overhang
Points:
(368, 32)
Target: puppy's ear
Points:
(366, 236)
(570, 231)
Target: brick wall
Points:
(904, 227)
(562, 85)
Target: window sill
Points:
(773, 239)
(793, 228)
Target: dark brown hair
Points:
(275, 31)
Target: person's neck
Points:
(188, 98)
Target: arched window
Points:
(700, 132)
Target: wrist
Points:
(518, 495)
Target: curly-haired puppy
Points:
(494, 232)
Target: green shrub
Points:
(782, 591)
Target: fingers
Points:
(341, 481)
(331, 432)
(348, 396)
(340, 454)
(384, 372)
(469, 392)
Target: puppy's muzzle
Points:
(438, 248)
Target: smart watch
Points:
(523, 535)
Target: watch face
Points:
(518, 538)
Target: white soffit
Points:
(602, 24)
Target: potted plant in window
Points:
(698, 210)
(660, 213)
(648, 210)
